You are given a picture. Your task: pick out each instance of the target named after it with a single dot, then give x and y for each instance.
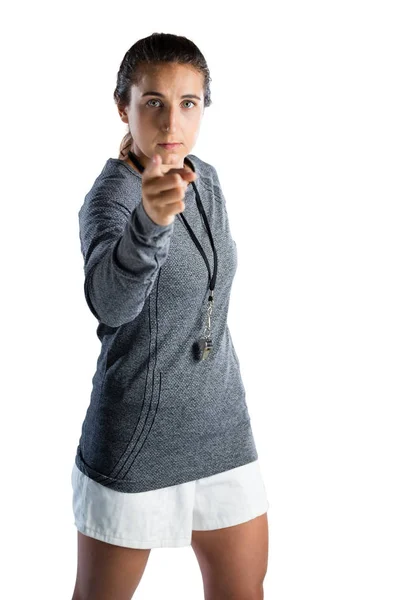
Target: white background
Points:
(304, 134)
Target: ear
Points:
(123, 115)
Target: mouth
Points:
(171, 145)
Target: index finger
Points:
(180, 171)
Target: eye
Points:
(153, 100)
(156, 100)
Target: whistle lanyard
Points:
(204, 345)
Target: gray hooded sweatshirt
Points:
(157, 415)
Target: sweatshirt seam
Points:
(134, 451)
(214, 191)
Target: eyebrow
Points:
(162, 95)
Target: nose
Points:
(170, 119)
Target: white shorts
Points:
(165, 518)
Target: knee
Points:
(253, 593)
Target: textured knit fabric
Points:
(157, 415)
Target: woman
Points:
(167, 456)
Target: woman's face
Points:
(164, 115)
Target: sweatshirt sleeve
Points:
(123, 250)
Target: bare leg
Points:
(233, 560)
(106, 571)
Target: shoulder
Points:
(205, 170)
(113, 190)
(128, 161)
(208, 175)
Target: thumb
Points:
(154, 167)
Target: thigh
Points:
(107, 571)
(233, 560)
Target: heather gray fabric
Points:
(157, 416)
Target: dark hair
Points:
(156, 48)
